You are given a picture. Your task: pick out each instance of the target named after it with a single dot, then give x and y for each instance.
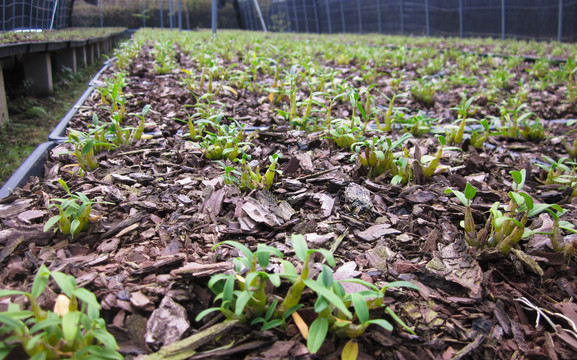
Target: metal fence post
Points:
(329, 17)
(170, 13)
(427, 17)
(379, 15)
(360, 17)
(306, 16)
(560, 22)
(461, 33)
(179, 15)
(262, 23)
(316, 10)
(214, 14)
(295, 10)
(143, 17)
(503, 20)
(101, 15)
(343, 16)
(402, 18)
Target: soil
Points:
(153, 246)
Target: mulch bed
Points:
(152, 249)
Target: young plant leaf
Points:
(317, 334)
(300, 246)
(470, 191)
(361, 308)
(329, 295)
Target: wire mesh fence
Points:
(171, 14)
(534, 19)
(35, 14)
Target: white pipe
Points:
(259, 14)
(53, 14)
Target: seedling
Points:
(377, 154)
(463, 112)
(73, 212)
(431, 163)
(466, 198)
(73, 330)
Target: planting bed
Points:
(169, 197)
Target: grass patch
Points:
(32, 118)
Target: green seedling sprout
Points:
(463, 113)
(466, 198)
(73, 330)
(73, 212)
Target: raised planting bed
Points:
(371, 157)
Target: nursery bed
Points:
(168, 204)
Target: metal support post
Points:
(288, 19)
(179, 15)
(379, 15)
(360, 16)
(214, 16)
(461, 33)
(295, 10)
(343, 16)
(427, 24)
(329, 16)
(53, 14)
(305, 6)
(316, 10)
(560, 22)
(100, 13)
(170, 14)
(402, 17)
(143, 14)
(260, 16)
(503, 30)
(161, 14)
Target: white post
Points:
(260, 15)
(53, 14)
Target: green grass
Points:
(32, 119)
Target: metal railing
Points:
(34, 14)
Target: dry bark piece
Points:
(166, 324)
(28, 216)
(18, 206)
(376, 232)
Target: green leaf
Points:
(228, 290)
(241, 302)
(263, 258)
(87, 297)
(317, 334)
(4, 293)
(12, 323)
(291, 310)
(398, 320)
(470, 191)
(206, 312)
(300, 246)
(67, 283)
(246, 251)
(51, 222)
(270, 310)
(40, 281)
(462, 198)
(326, 277)
(327, 255)
(289, 269)
(70, 326)
(361, 308)
(330, 296)
(74, 225)
(64, 185)
(406, 284)
(272, 324)
(382, 323)
(361, 282)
